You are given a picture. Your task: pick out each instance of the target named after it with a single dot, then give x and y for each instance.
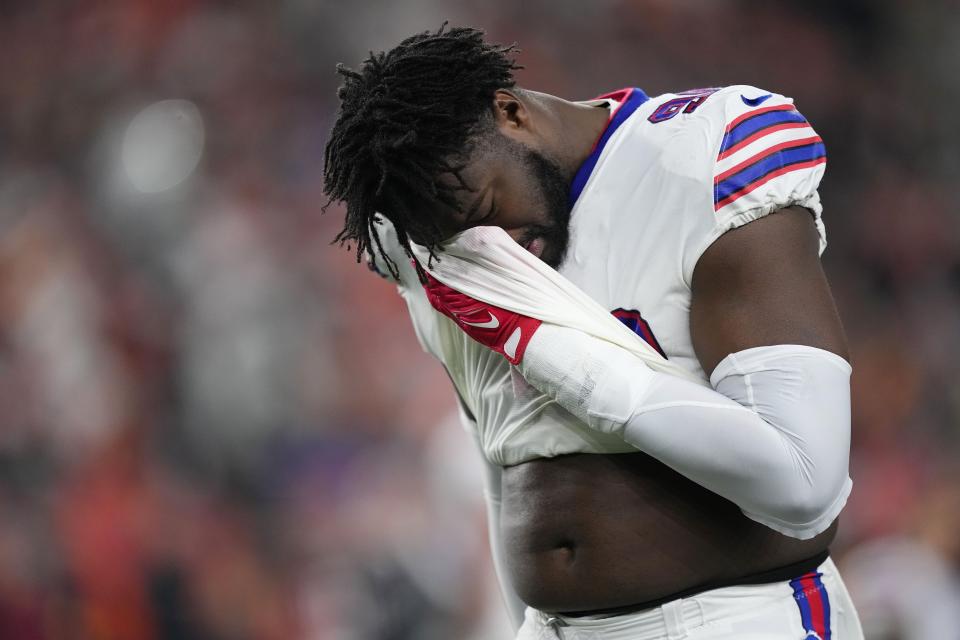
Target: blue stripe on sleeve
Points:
(765, 166)
(752, 125)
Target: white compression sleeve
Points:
(515, 606)
(492, 496)
(774, 438)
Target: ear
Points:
(510, 113)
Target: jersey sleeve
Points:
(438, 335)
(425, 321)
(761, 155)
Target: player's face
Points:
(522, 191)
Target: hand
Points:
(503, 331)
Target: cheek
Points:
(515, 214)
(518, 226)
(515, 233)
(521, 208)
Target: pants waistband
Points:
(671, 620)
(780, 574)
(674, 620)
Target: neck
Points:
(580, 127)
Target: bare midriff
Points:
(590, 532)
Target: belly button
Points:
(567, 550)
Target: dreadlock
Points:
(408, 117)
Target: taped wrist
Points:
(598, 382)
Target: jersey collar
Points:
(629, 99)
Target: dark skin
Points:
(506, 192)
(590, 532)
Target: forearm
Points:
(774, 441)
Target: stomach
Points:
(589, 532)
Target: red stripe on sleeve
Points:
(757, 112)
(763, 154)
(767, 178)
(762, 132)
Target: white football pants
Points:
(814, 606)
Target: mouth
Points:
(535, 246)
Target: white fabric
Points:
(792, 188)
(643, 219)
(513, 422)
(751, 612)
(646, 214)
(803, 393)
(487, 264)
(511, 600)
(774, 438)
(492, 495)
(596, 381)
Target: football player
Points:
(624, 501)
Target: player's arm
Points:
(492, 496)
(773, 434)
(760, 285)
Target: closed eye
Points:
(469, 217)
(480, 222)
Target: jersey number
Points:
(685, 104)
(639, 326)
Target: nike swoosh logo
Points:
(510, 346)
(754, 102)
(492, 323)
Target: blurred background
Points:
(215, 426)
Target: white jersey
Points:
(668, 176)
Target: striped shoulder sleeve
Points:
(768, 153)
(761, 155)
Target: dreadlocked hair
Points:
(408, 117)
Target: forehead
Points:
(477, 173)
(490, 170)
(479, 160)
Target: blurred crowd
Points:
(215, 426)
